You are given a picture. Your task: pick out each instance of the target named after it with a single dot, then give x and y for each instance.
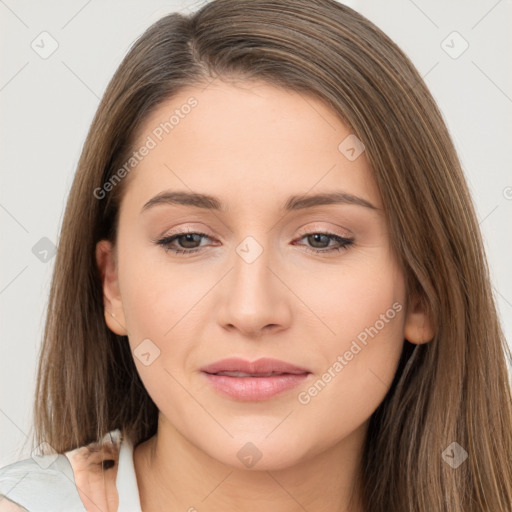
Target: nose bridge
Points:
(251, 265)
(255, 298)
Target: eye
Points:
(319, 241)
(188, 241)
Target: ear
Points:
(418, 327)
(107, 266)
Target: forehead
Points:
(250, 141)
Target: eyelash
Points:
(344, 242)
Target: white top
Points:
(64, 482)
(126, 481)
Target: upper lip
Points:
(263, 365)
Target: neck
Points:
(175, 475)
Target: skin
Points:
(253, 145)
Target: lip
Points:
(254, 388)
(263, 365)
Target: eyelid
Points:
(307, 229)
(179, 230)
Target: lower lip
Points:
(255, 388)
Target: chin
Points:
(260, 454)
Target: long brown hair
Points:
(454, 389)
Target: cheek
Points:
(158, 303)
(365, 309)
(349, 297)
(165, 303)
(157, 294)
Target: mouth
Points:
(260, 380)
(263, 366)
(257, 375)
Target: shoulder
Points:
(76, 481)
(38, 484)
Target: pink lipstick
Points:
(253, 381)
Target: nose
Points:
(254, 298)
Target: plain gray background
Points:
(47, 105)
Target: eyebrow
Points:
(297, 202)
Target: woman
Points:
(270, 289)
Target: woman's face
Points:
(259, 280)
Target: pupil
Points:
(316, 238)
(189, 239)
